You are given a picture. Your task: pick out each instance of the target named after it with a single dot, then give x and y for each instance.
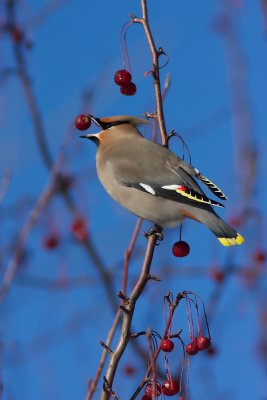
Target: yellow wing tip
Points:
(232, 241)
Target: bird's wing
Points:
(197, 174)
(158, 172)
(173, 192)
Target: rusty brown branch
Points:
(43, 200)
(172, 308)
(125, 334)
(155, 71)
(122, 294)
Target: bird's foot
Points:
(155, 230)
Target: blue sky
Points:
(50, 337)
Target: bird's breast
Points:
(150, 207)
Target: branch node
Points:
(107, 387)
(177, 334)
(124, 309)
(154, 278)
(122, 296)
(107, 348)
(137, 334)
(160, 52)
(155, 230)
(150, 115)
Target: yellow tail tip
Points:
(232, 241)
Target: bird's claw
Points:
(155, 230)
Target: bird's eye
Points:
(106, 125)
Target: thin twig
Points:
(173, 307)
(166, 87)
(128, 254)
(93, 384)
(155, 72)
(42, 202)
(4, 184)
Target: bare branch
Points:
(43, 200)
(155, 72)
(125, 335)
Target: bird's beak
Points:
(96, 120)
(91, 136)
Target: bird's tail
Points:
(224, 232)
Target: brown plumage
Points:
(151, 181)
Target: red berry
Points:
(17, 35)
(192, 348)
(123, 77)
(170, 387)
(259, 256)
(129, 369)
(145, 397)
(150, 388)
(217, 274)
(167, 345)
(180, 249)
(79, 229)
(129, 90)
(82, 122)
(203, 342)
(211, 351)
(51, 241)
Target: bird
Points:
(152, 182)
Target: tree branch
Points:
(155, 72)
(125, 335)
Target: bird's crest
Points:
(132, 120)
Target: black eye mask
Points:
(106, 125)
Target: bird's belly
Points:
(152, 208)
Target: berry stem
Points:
(173, 307)
(123, 45)
(190, 318)
(204, 310)
(181, 228)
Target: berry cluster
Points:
(171, 386)
(198, 343)
(123, 78)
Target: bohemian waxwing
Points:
(151, 181)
